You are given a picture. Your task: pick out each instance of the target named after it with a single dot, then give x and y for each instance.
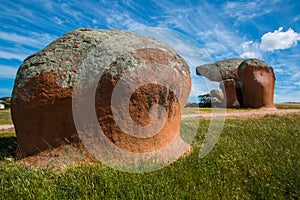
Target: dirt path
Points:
(7, 128)
(237, 114)
(243, 113)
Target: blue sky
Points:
(201, 31)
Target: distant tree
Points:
(6, 101)
(204, 100)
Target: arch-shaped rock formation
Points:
(244, 82)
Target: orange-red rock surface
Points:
(42, 97)
(257, 84)
(245, 82)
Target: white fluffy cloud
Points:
(279, 39)
(250, 50)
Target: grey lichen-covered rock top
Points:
(64, 56)
(221, 70)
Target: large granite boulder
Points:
(244, 82)
(218, 94)
(257, 81)
(43, 99)
(221, 70)
(216, 98)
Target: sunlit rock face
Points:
(257, 84)
(43, 95)
(245, 82)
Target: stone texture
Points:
(217, 98)
(245, 83)
(221, 70)
(228, 87)
(42, 95)
(217, 94)
(257, 84)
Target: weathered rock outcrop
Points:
(257, 84)
(42, 98)
(216, 98)
(221, 70)
(217, 94)
(245, 83)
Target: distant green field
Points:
(5, 117)
(253, 159)
(288, 106)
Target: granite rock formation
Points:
(244, 82)
(216, 98)
(221, 70)
(44, 89)
(218, 94)
(257, 84)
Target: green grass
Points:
(288, 106)
(253, 159)
(5, 117)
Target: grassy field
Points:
(292, 105)
(253, 159)
(5, 117)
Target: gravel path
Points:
(7, 128)
(243, 113)
(238, 114)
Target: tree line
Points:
(6, 101)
